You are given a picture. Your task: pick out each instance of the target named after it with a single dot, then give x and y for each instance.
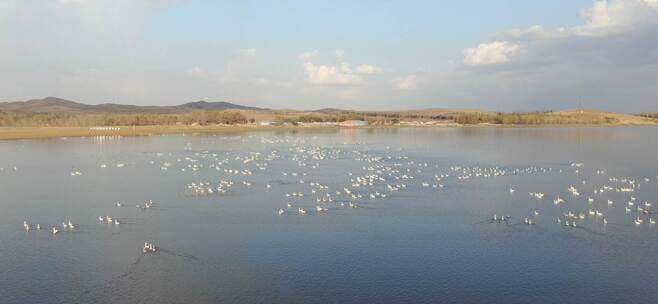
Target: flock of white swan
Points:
(378, 175)
(597, 201)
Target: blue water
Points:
(419, 244)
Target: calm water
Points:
(419, 244)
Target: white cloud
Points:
(329, 75)
(345, 68)
(603, 18)
(368, 69)
(340, 74)
(409, 82)
(607, 61)
(496, 52)
(611, 32)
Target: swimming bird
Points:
(149, 248)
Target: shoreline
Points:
(18, 133)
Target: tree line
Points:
(535, 118)
(18, 119)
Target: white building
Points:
(353, 123)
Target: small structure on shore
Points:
(105, 129)
(353, 123)
(270, 123)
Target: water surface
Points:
(432, 243)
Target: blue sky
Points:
(495, 55)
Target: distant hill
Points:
(220, 105)
(25, 109)
(45, 105)
(330, 110)
(58, 105)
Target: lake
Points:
(399, 215)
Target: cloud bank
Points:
(116, 51)
(609, 61)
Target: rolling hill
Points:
(58, 105)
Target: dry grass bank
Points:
(235, 121)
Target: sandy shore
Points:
(9, 133)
